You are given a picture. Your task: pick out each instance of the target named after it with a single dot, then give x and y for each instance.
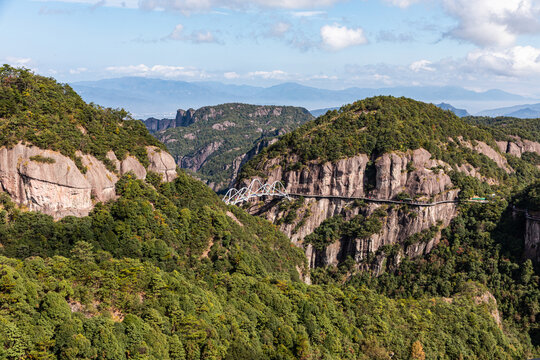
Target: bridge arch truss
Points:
(255, 189)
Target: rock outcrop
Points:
(183, 118)
(532, 236)
(52, 185)
(518, 146)
(49, 182)
(414, 173)
(162, 163)
(197, 160)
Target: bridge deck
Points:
(387, 201)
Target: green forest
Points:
(381, 124)
(237, 128)
(168, 271)
(50, 115)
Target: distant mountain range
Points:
(145, 97)
(444, 106)
(458, 112)
(526, 111)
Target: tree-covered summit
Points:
(40, 111)
(376, 125)
(213, 140)
(383, 124)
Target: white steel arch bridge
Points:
(255, 189)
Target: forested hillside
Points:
(213, 141)
(408, 151)
(174, 273)
(379, 125)
(503, 126)
(166, 270)
(49, 115)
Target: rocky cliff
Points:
(532, 236)
(370, 165)
(49, 182)
(183, 118)
(414, 173)
(214, 141)
(517, 146)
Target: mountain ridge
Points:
(146, 97)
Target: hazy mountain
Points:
(525, 111)
(458, 112)
(319, 112)
(160, 98)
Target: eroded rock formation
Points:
(532, 237)
(414, 173)
(49, 182)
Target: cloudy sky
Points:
(477, 44)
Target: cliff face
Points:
(518, 146)
(413, 172)
(183, 118)
(214, 141)
(49, 182)
(532, 237)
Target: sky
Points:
(334, 44)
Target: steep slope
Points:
(60, 155)
(214, 141)
(379, 148)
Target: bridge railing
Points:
(255, 189)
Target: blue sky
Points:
(477, 44)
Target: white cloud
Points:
(177, 33)
(203, 36)
(16, 61)
(421, 65)
(307, 13)
(338, 37)
(493, 22)
(188, 6)
(133, 4)
(231, 75)
(515, 62)
(77, 70)
(402, 3)
(275, 74)
(279, 29)
(165, 71)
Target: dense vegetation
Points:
(529, 198)
(382, 124)
(483, 244)
(169, 273)
(237, 128)
(502, 127)
(49, 115)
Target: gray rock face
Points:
(195, 162)
(518, 146)
(413, 172)
(532, 237)
(161, 162)
(49, 182)
(57, 188)
(101, 180)
(129, 164)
